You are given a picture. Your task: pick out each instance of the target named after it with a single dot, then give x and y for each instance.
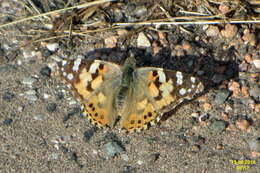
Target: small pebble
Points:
(256, 63)
(249, 37)
(30, 92)
(31, 97)
(140, 162)
(204, 117)
(153, 158)
(54, 156)
(28, 81)
(255, 92)
(140, 11)
(218, 126)
(143, 41)
(89, 134)
(235, 88)
(221, 96)
(254, 144)
(242, 124)
(223, 8)
(229, 31)
(225, 116)
(112, 148)
(228, 108)
(162, 38)
(111, 42)
(73, 102)
(195, 148)
(207, 106)
(20, 108)
(220, 147)
(39, 117)
(8, 121)
(125, 157)
(195, 115)
(51, 107)
(46, 96)
(45, 71)
(52, 46)
(212, 31)
(8, 96)
(73, 112)
(245, 91)
(248, 58)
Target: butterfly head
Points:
(128, 71)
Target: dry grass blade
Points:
(197, 22)
(87, 4)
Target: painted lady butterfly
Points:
(136, 96)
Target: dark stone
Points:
(59, 95)
(8, 96)
(51, 107)
(89, 133)
(8, 121)
(204, 117)
(74, 156)
(45, 71)
(73, 112)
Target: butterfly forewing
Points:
(157, 91)
(91, 82)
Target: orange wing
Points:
(95, 84)
(156, 91)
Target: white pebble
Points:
(143, 41)
(257, 63)
(52, 46)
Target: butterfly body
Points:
(136, 96)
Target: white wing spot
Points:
(94, 67)
(192, 86)
(179, 78)
(76, 65)
(162, 77)
(182, 91)
(193, 79)
(70, 76)
(64, 74)
(189, 90)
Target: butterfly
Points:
(135, 98)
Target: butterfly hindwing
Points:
(92, 82)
